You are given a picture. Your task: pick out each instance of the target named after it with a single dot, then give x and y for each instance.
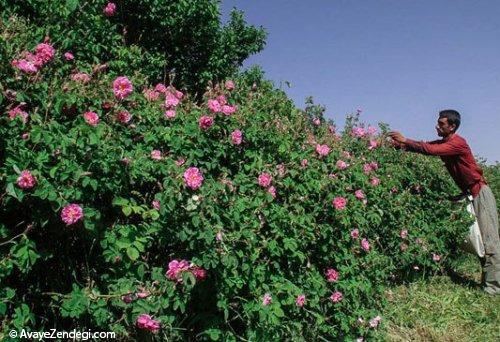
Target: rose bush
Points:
(204, 223)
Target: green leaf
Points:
(132, 253)
(71, 5)
(127, 211)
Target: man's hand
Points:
(396, 136)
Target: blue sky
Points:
(400, 61)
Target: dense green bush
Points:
(178, 40)
(292, 232)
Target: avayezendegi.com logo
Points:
(54, 334)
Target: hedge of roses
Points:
(126, 206)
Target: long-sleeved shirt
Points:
(458, 159)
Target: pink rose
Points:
(44, 52)
(68, 56)
(359, 194)
(110, 9)
(175, 269)
(170, 114)
(156, 204)
(374, 181)
(436, 257)
(25, 66)
(160, 87)
(142, 295)
(403, 234)
(205, 122)
(300, 301)
(371, 130)
(339, 203)
(81, 77)
(355, 233)
(236, 137)
(316, 121)
(272, 191)
(26, 180)
(332, 275)
(156, 155)
(372, 144)
(358, 132)
(17, 111)
(180, 161)
(71, 214)
(199, 273)
(265, 179)
(331, 128)
(322, 150)
(171, 100)
(122, 87)
(267, 299)
(91, 118)
(147, 323)
(221, 99)
(365, 245)
(229, 85)
(228, 110)
(193, 178)
(304, 163)
(374, 322)
(342, 165)
(151, 94)
(123, 116)
(214, 106)
(403, 247)
(336, 297)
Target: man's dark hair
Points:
(453, 117)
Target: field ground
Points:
(449, 308)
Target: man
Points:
(457, 157)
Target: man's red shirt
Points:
(457, 157)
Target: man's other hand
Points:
(396, 136)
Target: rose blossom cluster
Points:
(358, 132)
(31, 63)
(220, 105)
(369, 167)
(147, 323)
(176, 268)
(18, 111)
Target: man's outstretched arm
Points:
(448, 148)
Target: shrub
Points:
(182, 42)
(168, 227)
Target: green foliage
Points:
(108, 268)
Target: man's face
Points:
(443, 128)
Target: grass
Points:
(449, 308)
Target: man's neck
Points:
(448, 137)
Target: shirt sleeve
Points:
(436, 147)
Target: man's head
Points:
(448, 122)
